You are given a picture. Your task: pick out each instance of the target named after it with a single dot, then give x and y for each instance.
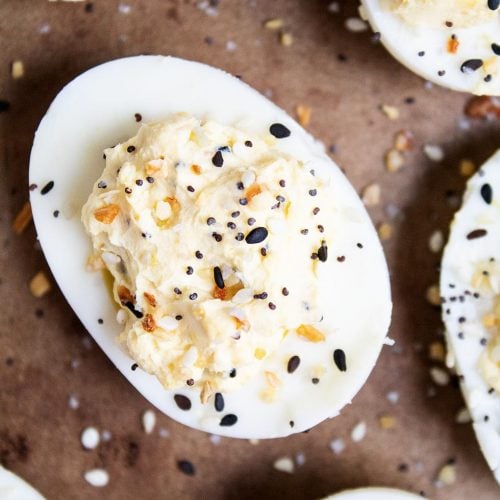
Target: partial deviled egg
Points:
(454, 43)
(12, 487)
(250, 293)
(470, 289)
(374, 493)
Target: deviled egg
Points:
(12, 487)
(454, 43)
(250, 293)
(470, 289)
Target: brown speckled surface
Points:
(39, 432)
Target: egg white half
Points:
(463, 313)
(95, 111)
(374, 493)
(424, 51)
(12, 487)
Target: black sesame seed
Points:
(263, 252)
(280, 198)
(315, 380)
(4, 105)
(488, 78)
(341, 258)
(130, 149)
(133, 310)
(285, 291)
(190, 381)
(138, 117)
(323, 252)
(33, 187)
(219, 401)
(304, 231)
(262, 295)
(251, 221)
(339, 359)
(321, 229)
(483, 341)
(271, 306)
(441, 72)
(128, 190)
(183, 402)
(232, 373)
(235, 214)
(217, 237)
(100, 321)
(102, 185)
(470, 66)
(139, 182)
(211, 221)
(243, 201)
(189, 270)
(279, 131)
(239, 237)
(421, 53)
(314, 256)
(178, 317)
(217, 159)
(495, 47)
(291, 423)
(248, 144)
(231, 225)
(313, 192)
(282, 183)
(493, 4)
(193, 296)
(240, 186)
(55, 213)
(47, 188)
(190, 189)
(228, 420)
(293, 364)
(177, 291)
(449, 24)
(150, 179)
(186, 467)
(477, 233)
(316, 211)
(257, 235)
(224, 149)
(198, 254)
(134, 367)
(487, 193)
(219, 280)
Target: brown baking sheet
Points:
(45, 354)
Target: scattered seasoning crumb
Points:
(385, 231)
(463, 416)
(284, 464)
(390, 111)
(439, 376)
(404, 141)
(17, 69)
(39, 285)
(436, 241)
(286, 39)
(437, 351)
(148, 421)
(434, 152)
(186, 467)
(97, 477)
(433, 296)
(358, 432)
(22, 219)
(90, 438)
(466, 168)
(337, 446)
(387, 422)
(394, 160)
(371, 195)
(303, 115)
(274, 24)
(447, 475)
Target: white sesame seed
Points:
(358, 432)
(337, 446)
(254, 442)
(434, 152)
(231, 46)
(334, 7)
(148, 421)
(463, 416)
(300, 459)
(97, 477)
(164, 433)
(106, 435)
(121, 317)
(90, 438)
(284, 464)
(392, 397)
(215, 439)
(167, 323)
(110, 258)
(73, 402)
(439, 376)
(436, 241)
(123, 8)
(355, 25)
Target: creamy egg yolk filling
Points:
(215, 241)
(443, 13)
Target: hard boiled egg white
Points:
(374, 493)
(460, 58)
(96, 111)
(12, 487)
(469, 282)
